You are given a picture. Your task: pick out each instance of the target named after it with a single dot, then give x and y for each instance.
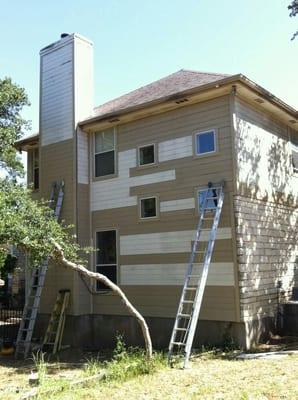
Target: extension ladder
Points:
(210, 206)
(27, 324)
(54, 332)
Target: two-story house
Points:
(133, 170)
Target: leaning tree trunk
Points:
(58, 255)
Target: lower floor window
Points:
(110, 271)
(106, 256)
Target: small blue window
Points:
(205, 142)
(211, 203)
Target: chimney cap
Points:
(64, 35)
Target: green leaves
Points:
(24, 223)
(12, 99)
(294, 11)
(30, 225)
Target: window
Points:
(106, 256)
(105, 153)
(33, 168)
(205, 142)
(211, 204)
(148, 207)
(294, 147)
(147, 155)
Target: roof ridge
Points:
(203, 72)
(139, 88)
(173, 83)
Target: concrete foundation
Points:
(100, 331)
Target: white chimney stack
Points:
(66, 87)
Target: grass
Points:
(213, 374)
(208, 378)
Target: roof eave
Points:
(268, 95)
(172, 97)
(222, 82)
(26, 143)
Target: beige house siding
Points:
(56, 164)
(266, 212)
(152, 255)
(162, 301)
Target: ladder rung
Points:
(207, 219)
(187, 301)
(191, 288)
(184, 315)
(181, 329)
(178, 343)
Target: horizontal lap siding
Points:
(167, 232)
(56, 164)
(265, 212)
(162, 301)
(56, 119)
(220, 274)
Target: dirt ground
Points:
(210, 376)
(14, 374)
(206, 379)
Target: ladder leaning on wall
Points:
(210, 206)
(23, 342)
(54, 333)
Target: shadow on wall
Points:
(266, 219)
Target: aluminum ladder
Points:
(54, 333)
(210, 207)
(27, 323)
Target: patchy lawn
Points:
(207, 378)
(210, 376)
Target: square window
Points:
(148, 207)
(205, 142)
(146, 155)
(110, 271)
(210, 204)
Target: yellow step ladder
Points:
(54, 333)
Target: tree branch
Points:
(58, 255)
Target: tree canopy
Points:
(27, 224)
(293, 7)
(24, 223)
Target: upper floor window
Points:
(148, 207)
(210, 203)
(294, 151)
(147, 155)
(33, 168)
(205, 142)
(104, 153)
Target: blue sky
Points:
(136, 42)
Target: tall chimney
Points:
(66, 87)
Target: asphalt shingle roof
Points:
(170, 85)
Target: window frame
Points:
(154, 154)
(106, 290)
(156, 208)
(196, 194)
(195, 142)
(293, 148)
(31, 175)
(94, 153)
